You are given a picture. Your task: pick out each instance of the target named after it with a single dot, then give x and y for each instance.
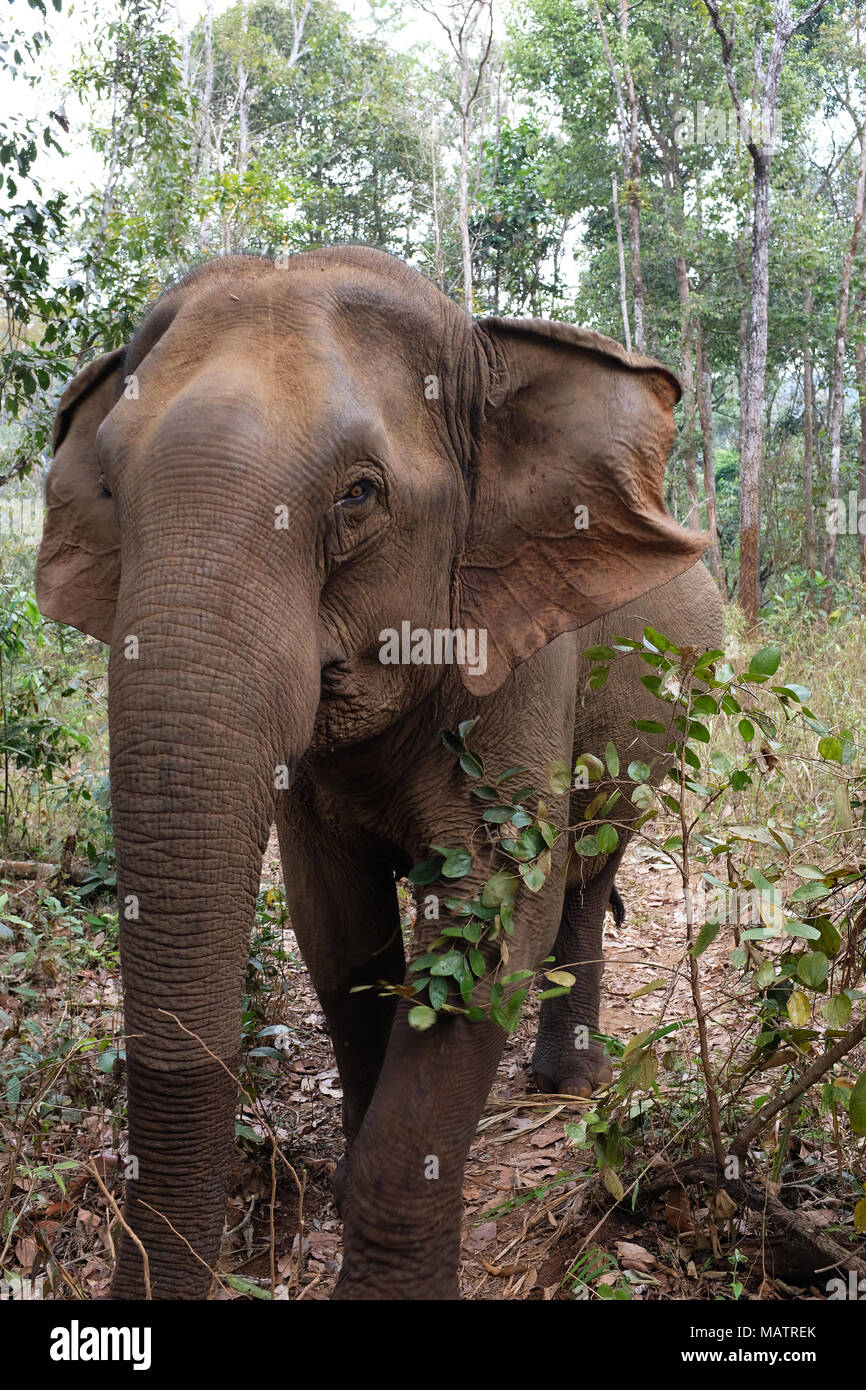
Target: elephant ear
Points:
(567, 517)
(78, 568)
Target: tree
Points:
(760, 144)
(469, 30)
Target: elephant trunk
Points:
(202, 732)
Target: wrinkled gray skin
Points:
(428, 469)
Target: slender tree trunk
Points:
(752, 407)
(633, 189)
(837, 379)
(460, 36)
(629, 152)
(760, 145)
(438, 263)
(689, 432)
(808, 434)
(742, 338)
(860, 370)
(204, 135)
(705, 410)
(463, 190)
(623, 293)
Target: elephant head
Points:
(286, 466)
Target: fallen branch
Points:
(741, 1141)
(746, 1193)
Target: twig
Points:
(176, 1232)
(129, 1231)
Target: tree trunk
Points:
(808, 434)
(629, 151)
(837, 379)
(204, 133)
(463, 189)
(752, 408)
(633, 190)
(623, 294)
(689, 432)
(860, 370)
(753, 379)
(705, 409)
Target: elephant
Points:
(289, 460)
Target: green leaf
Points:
(421, 1017)
(498, 815)
(533, 876)
(796, 692)
(794, 928)
(424, 962)
(765, 662)
(599, 654)
(707, 934)
(649, 989)
(477, 963)
(457, 863)
(611, 757)
(237, 1281)
(471, 765)
(808, 891)
(813, 969)
(107, 1059)
(437, 992)
(559, 777)
(586, 846)
(638, 771)
(656, 641)
(426, 872)
(467, 726)
(831, 749)
(449, 964)
(607, 838)
(837, 1010)
(857, 1105)
(765, 975)
(500, 887)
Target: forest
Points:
(689, 180)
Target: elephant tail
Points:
(617, 906)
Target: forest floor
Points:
(528, 1232)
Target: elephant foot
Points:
(579, 1074)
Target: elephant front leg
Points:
(345, 916)
(566, 1060)
(403, 1205)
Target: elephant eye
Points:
(359, 491)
